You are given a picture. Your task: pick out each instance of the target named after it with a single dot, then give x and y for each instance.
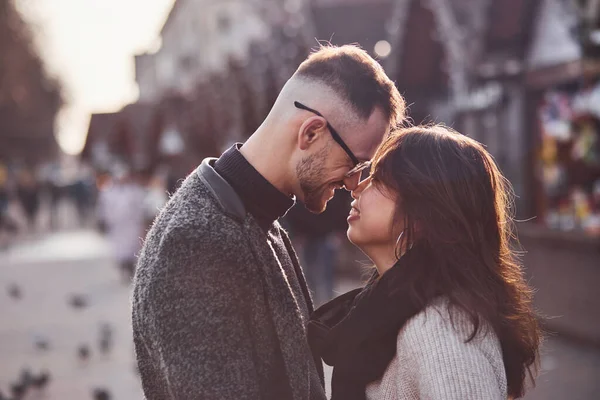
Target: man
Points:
(220, 303)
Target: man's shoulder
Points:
(192, 229)
(192, 221)
(194, 206)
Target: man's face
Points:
(320, 173)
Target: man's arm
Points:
(198, 335)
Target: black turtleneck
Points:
(263, 200)
(267, 204)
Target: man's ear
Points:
(310, 131)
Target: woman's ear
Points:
(310, 131)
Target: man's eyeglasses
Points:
(358, 165)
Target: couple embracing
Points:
(221, 308)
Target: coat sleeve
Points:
(198, 340)
(443, 366)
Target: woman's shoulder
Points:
(446, 329)
(442, 317)
(435, 347)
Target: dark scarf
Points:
(357, 332)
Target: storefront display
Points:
(569, 159)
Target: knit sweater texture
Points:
(214, 313)
(433, 360)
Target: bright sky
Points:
(90, 45)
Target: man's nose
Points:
(351, 183)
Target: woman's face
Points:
(370, 223)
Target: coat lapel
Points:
(299, 273)
(307, 297)
(285, 311)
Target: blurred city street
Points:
(51, 269)
(106, 107)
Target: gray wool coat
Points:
(214, 314)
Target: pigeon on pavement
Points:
(41, 343)
(14, 291)
(78, 301)
(40, 381)
(26, 377)
(101, 394)
(83, 352)
(106, 338)
(18, 390)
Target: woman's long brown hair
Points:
(456, 202)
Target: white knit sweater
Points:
(433, 361)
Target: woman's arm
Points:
(443, 366)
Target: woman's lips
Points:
(354, 214)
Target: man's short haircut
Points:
(354, 75)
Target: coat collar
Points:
(227, 197)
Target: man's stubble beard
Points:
(310, 171)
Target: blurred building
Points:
(29, 97)
(521, 77)
(201, 38)
(197, 39)
(562, 131)
(121, 139)
(365, 22)
(216, 74)
(99, 146)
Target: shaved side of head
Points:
(352, 73)
(317, 95)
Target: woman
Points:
(447, 314)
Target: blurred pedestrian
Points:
(155, 198)
(220, 301)
(28, 192)
(7, 226)
(82, 191)
(4, 199)
(120, 210)
(52, 186)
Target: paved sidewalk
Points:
(70, 245)
(48, 272)
(52, 268)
